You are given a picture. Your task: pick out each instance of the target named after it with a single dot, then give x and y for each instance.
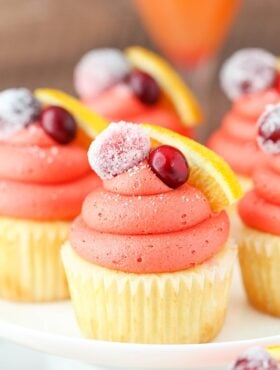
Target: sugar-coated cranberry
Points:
(58, 123)
(144, 87)
(18, 109)
(269, 130)
(170, 165)
(98, 70)
(248, 71)
(120, 147)
(255, 359)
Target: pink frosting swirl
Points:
(144, 227)
(118, 103)
(235, 140)
(40, 179)
(260, 208)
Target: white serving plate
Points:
(52, 328)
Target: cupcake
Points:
(249, 79)
(44, 177)
(149, 259)
(259, 210)
(137, 86)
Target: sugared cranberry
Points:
(98, 70)
(18, 109)
(143, 86)
(255, 359)
(120, 147)
(248, 71)
(170, 165)
(269, 130)
(58, 123)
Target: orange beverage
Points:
(188, 31)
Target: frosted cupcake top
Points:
(20, 109)
(41, 163)
(145, 218)
(249, 78)
(136, 85)
(100, 69)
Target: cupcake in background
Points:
(152, 244)
(250, 79)
(259, 210)
(44, 177)
(136, 85)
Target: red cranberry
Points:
(277, 82)
(269, 130)
(170, 165)
(59, 124)
(255, 359)
(144, 87)
(245, 87)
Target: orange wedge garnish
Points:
(90, 123)
(209, 172)
(172, 85)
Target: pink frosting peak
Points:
(118, 148)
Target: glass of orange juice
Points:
(189, 32)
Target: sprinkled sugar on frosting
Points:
(18, 108)
(247, 71)
(118, 148)
(133, 171)
(269, 129)
(255, 358)
(98, 70)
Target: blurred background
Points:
(42, 40)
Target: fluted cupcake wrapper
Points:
(259, 257)
(181, 307)
(30, 263)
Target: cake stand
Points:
(52, 328)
